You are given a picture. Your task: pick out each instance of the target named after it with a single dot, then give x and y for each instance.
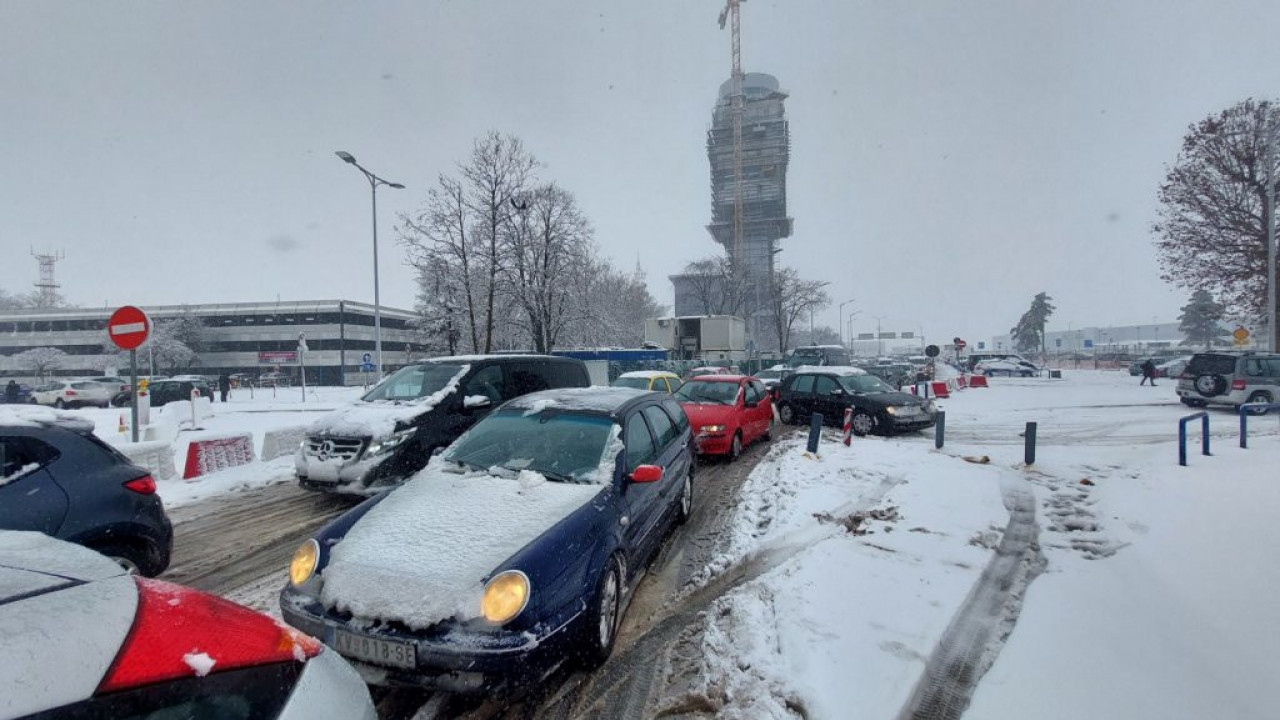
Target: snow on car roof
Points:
(842, 370)
(647, 374)
(40, 416)
(422, 555)
(591, 399)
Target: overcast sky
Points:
(949, 159)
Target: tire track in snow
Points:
(973, 640)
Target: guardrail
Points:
(1245, 411)
(1182, 435)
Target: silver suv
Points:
(1223, 378)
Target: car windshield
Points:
(413, 382)
(864, 384)
(563, 446)
(708, 393)
(639, 383)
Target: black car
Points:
(391, 432)
(163, 392)
(877, 407)
(56, 477)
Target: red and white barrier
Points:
(848, 426)
(940, 389)
(213, 454)
(962, 382)
(154, 456)
(978, 381)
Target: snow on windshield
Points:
(564, 446)
(708, 392)
(594, 399)
(378, 419)
(423, 554)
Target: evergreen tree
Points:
(1199, 319)
(1028, 334)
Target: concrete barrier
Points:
(154, 456)
(187, 412)
(208, 455)
(282, 441)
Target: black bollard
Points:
(815, 431)
(939, 429)
(1029, 446)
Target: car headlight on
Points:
(712, 429)
(387, 444)
(893, 410)
(303, 564)
(505, 596)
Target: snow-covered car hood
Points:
(421, 555)
(368, 419)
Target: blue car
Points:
(511, 553)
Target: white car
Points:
(1008, 368)
(1172, 368)
(81, 638)
(73, 393)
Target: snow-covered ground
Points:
(1140, 589)
(257, 413)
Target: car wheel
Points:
(787, 414)
(686, 499)
(133, 558)
(1211, 385)
(862, 423)
(602, 620)
(59, 404)
(735, 447)
(1259, 397)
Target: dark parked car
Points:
(877, 407)
(396, 427)
(56, 477)
(163, 392)
(512, 552)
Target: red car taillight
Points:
(179, 632)
(69, 393)
(145, 485)
(1237, 384)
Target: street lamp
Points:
(841, 326)
(879, 342)
(374, 182)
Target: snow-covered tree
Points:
(1199, 319)
(41, 360)
(791, 298)
(1028, 334)
(716, 288)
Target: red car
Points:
(727, 412)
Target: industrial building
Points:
(250, 338)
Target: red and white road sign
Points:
(960, 344)
(128, 327)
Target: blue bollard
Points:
(939, 429)
(1029, 445)
(815, 431)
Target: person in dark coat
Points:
(11, 392)
(1148, 372)
(224, 385)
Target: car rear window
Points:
(1212, 365)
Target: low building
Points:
(249, 338)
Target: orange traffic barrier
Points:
(978, 381)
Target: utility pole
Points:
(1270, 217)
(731, 12)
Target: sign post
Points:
(1240, 336)
(302, 368)
(128, 328)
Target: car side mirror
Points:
(476, 401)
(646, 474)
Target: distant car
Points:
(895, 374)
(72, 394)
(877, 407)
(95, 642)
(1172, 368)
(273, 379)
(658, 380)
(115, 384)
(514, 551)
(58, 478)
(163, 392)
(1222, 378)
(772, 376)
(819, 355)
(728, 413)
(706, 370)
(1007, 368)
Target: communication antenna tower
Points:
(47, 286)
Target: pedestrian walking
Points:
(224, 385)
(11, 392)
(1148, 372)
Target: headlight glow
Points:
(303, 564)
(387, 444)
(711, 429)
(505, 596)
(893, 410)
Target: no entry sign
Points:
(128, 327)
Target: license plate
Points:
(375, 650)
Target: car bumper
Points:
(912, 422)
(713, 444)
(328, 687)
(358, 477)
(1231, 397)
(457, 660)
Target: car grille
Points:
(326, 448)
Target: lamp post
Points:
(374, 182)
(841, 326)
(1270, 218)
(879, 342)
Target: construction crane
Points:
(731, 14)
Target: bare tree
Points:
(498, 171)
(717, 288)
(790, 298)
(41, 360)
(1212, 228)
(440, 247)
